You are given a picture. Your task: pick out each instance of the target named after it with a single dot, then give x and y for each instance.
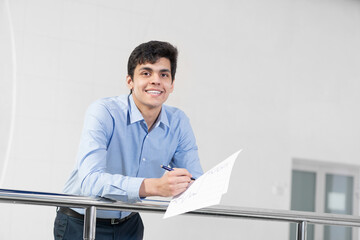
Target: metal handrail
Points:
(91, 204)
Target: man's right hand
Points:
(170, 184)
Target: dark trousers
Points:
(71, 228)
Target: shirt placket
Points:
(144, 149)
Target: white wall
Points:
(279, 79)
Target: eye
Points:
(145, 73)
(165, 75)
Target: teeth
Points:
(154, 92)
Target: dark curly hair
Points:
(150, 52)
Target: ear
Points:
(129, 82)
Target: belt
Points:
(111, 221)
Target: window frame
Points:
(321, 168)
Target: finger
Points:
(181, 172)
(179, 189)
(176, 179)
(183, 179)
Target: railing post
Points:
(89, 223)
(302, 230)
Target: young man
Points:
(124, 142)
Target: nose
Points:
(155, 80)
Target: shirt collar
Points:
(136, 116)
(134, 113)
(163, 118)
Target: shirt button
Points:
(144, 159)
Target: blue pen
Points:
(171, 169)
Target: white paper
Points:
(205, 191)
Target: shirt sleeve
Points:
(186, 155)
(93, 177)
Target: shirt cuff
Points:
(133, 189)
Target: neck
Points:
(150, 117)
(150, 114)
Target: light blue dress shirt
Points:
(117, 151)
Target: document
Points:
(205, 191)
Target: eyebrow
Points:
(150, 69)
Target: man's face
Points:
(151, 85)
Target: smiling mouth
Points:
(153, 92)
